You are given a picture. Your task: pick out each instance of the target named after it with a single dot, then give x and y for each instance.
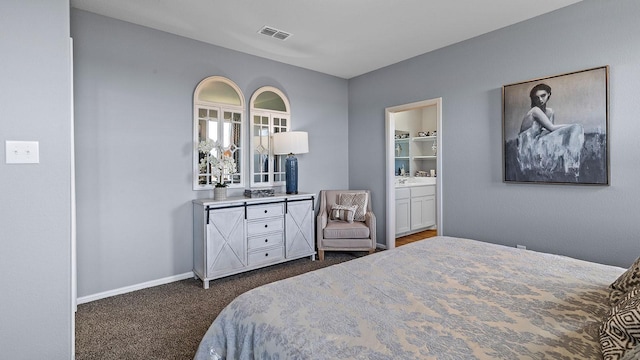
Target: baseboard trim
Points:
(127, 289)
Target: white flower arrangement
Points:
(219, 164)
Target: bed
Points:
(439, 298)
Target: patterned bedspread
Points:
(440, 298)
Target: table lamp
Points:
(291, 143)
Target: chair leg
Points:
(320, 255)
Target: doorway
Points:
(391, 115)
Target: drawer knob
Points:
(266, 254)
(265, 211)
(266, 240)
(265, 225)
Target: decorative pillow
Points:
(342, 212)
(358, 199)
(620, 332)
(625, 282)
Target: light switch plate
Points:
(22, 152)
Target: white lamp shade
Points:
(290, 142)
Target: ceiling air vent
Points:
(281, 35)
(274, 33)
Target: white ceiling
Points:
(345, 38)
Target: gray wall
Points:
(593, 223)
(133, 103)
(35, 205)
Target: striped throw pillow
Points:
(343, 212)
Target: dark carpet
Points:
(168, 321)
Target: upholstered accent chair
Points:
(345, 222)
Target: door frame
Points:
(390, 125)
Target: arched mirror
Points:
(218, 144)
(270, 113)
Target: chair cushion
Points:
(345, 244)
(345, 230)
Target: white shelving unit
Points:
(402, 151)
(423, 153)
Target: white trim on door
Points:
(390, 167)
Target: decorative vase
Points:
(219, 193)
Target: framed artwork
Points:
(555, 130)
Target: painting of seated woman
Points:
(566, 143)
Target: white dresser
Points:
(241, 234)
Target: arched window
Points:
(218, 113)
(270, 113)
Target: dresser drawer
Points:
(264, 226)
(266, 255)
(264, 241)
(264, 211)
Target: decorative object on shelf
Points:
(423, 134)
(434, 147)
(290, 143)
(219, 193)
(258, 193)
(218, 163)
(398, 149)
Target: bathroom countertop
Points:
(416, 181)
